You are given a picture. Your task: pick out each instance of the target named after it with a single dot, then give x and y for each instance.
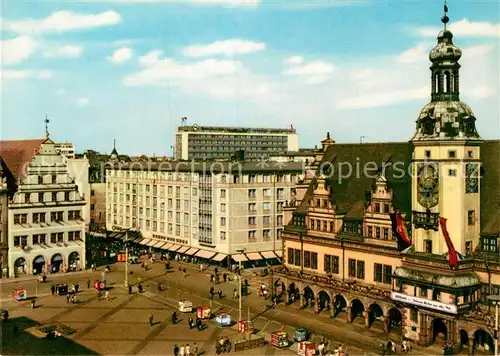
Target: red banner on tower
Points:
(399, 229)
(452, 253)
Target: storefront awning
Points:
(137, 240)
(152, 243)
(191, 251)
(239, 257)
(268, 255)
(145, 241)
(279, 253)
(183, 249)
(174, 247)
(253, 256)
(205, 254)
(167, 246)
(219, 257)
(159, 244)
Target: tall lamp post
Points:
(495, 300)
(126, 251)
(240, 251)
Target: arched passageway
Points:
(74, 261)
(38, 265)
(293, 293)
(439, 332)
(395, 320)
(56, 262)
(357, 309)
(324, 301)
(308, 297)
(464, 339)
(375, 313)
(340, 305)
(20, 266)
(483, 342)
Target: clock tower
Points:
(446, 159)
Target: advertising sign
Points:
(424, 303)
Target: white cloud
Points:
(416, 54)
(231, 3)
(465, 28)
(294, 60)
(380, 99)
(25, 74)
(16, 50)
(151, 57)
(226, 48)
(121, 55)
(312, 68)
(62, 21)
(481, 92)
(66, 51)
(82, 102)
(61, 91)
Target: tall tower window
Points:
(447, 82)
(428, 246)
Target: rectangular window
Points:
(222, 235)
(386, 233)
(266, 234)
(386, 208)
(413, 315)
(377, 270)
(471, 217)
(352, 267)
(387, 274)
(370, 231)
(377, 232)
(290, 256)
(335, 264)
(452, 172)
(377, 207)
(266, 220)
(452, 154)
(297, 258)
(252, 193)
(267, 192)
(251, 220)
(469, 154)
(54, 179)
(223, 193)
(489, 244)
(222, 208)
(266, 206)
(427, 154)
(361, 269)
(307, 259)
(252, 235)
(428, 246)
(223, 221)
(252, 207)
(327, 264)
(314, 260)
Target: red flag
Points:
(452, 254)
(399, 229)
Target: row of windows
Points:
(310, 258)
(384, 233)
(321, 225)
(44, 197)
(171, 176)
(41, 239)
(252, 193)
(252, 220)
(451, 154)
(266, 206)
(55, 216)
(252, 234)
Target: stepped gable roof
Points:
(353, 171)
(490, 187)
(17, 153)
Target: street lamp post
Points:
(240, 251)
(126, 259)
(495, 299)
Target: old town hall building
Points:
(404, 235)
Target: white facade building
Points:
(67, 149)
(46, 230)
(78, 169)
(217, 208)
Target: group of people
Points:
(223, 345)
(390, 347)
(198, 324)
(212, 293)
(186, 350)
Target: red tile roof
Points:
(17, 153)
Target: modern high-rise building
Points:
(217, 207)
(67, 149)
(216, 142)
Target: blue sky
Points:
(105, 70)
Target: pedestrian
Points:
(129, 289)
(201, 267)
(321, 348)
(176, 350)
(88, 283)
(219, 292)
(67, 298)
(151, 319)
(182, 351)
(53, 289)
(184, 272)
(224, 276)
(33, 303)
(106, 295)
(77, 287)
(235, 293)
(212, 278)
(188, 350)
(195, 349)
(265, 294)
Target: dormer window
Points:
(427, 126)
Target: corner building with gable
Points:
(341, 255)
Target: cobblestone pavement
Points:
(120, 326)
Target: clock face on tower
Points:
(428, 185)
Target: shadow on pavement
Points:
(21, 342)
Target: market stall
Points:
(223, 319)
(306, 348)
(19, 294)
(280, 339)
(185, 306)
(203, 312)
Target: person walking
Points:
(33, 303)
(176, 350)
(151, 319)
(224, 276)
(195, 349)
(219, 292)
(53, 289)
(129, 289)
(88, 283)
(188, 350)
(182, 351)
(235, 293)
(106, 295)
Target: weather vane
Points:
(445, 18)
(46, 126)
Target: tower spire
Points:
(46, 121)
(445, 19)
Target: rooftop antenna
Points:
(183, 121)
(445, 19)
(46, 126)
(362, 139)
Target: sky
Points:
(130, 70)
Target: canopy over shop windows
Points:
(253, 256)
(205, 254)
(239, 257)
(219, 257)
(191, 251)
